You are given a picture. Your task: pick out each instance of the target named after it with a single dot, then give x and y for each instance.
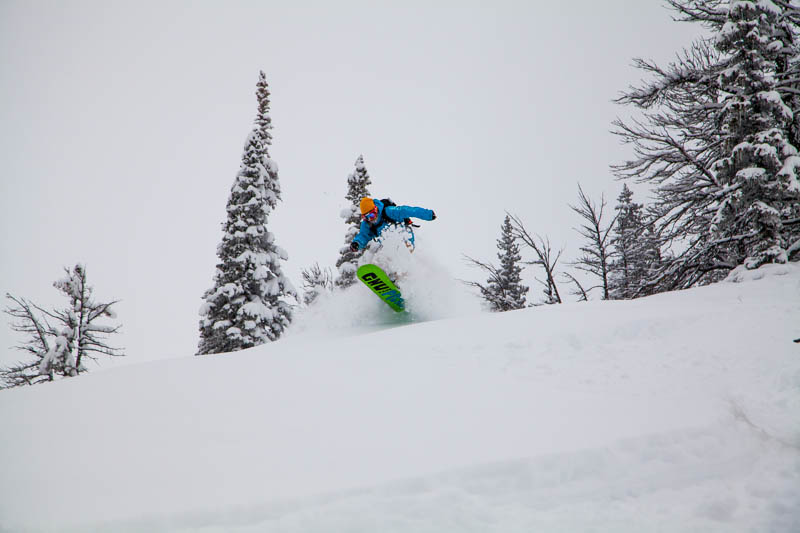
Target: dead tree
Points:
(545, 257)
(579, 291)
(61, 339)
(595, 253)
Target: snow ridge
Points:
(676, 412)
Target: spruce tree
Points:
(758, 176)
(651, 258)
(622, 277)
(247, 306)
(508, 290)
(636, 250)
(503, 290)
(358, 183)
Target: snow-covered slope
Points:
(679, 412)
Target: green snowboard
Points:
(376, 279)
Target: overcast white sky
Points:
(122, 126)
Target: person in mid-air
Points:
(375, 216)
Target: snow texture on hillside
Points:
(678, 412)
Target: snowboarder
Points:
(377, 214)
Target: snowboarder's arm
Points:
(363, 235)
(399, 212)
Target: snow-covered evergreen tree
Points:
(758, 175)
(358, 183)
(247, 306)
(507, 291)
(622, 279)
(503, 290)
(636, 250)
(61, 340)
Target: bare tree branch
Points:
(544, 256)
(580, 292)
(596, 254)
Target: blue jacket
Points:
(368, 231)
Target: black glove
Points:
(354, 246)
(433, 215)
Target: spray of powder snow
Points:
(429, 291)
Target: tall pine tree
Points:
(635, 250)
(759, 172)
(247, 306)
(358, 183)
(503, 290)
(508, 290)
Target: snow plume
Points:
(429, 291)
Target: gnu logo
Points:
(375, 282)
(382, 289)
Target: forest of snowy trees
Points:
(716, 144)
(716, 141)
(714, 138)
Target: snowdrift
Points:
(679, 412)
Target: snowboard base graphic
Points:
(376, 279)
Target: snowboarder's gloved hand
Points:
(354, 246)
(433, 215)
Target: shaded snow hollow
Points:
(678, 412)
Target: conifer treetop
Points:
(263, 119)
